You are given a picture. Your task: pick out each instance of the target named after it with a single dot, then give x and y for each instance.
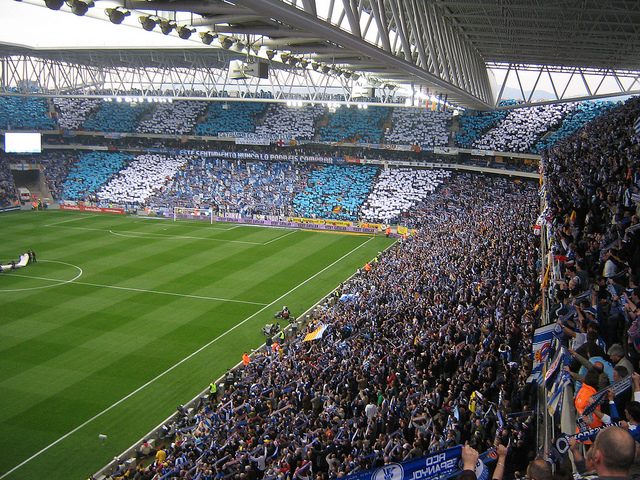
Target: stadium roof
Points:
(431, 46)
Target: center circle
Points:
(55, 284)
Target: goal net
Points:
(186, 213)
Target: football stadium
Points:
(319, 239)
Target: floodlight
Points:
(326, 69)
(207, 37)
(346, 75)
(226, 42)
(116, 15)
(54, 4)
(315, 66)
(167, 26)
(270, 54)
(284, 56)
(184, 32)
(79, 7)
(147, 23)
(304, 63)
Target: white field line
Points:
(143, 218)
(176, 365)
(80, 217)
(280, 237)
(133, 234)
(142, 290)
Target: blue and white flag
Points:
(542, 340)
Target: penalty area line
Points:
(176, 365)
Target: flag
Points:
(476, 397)
(542, 339)
(599, 397)
(561, 359)
(316, 334)
(636, 127)
(557, 392)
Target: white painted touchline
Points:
(141, 290)
(176, 365)
(281, 236)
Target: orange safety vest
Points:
(246, 359)
(582, 400)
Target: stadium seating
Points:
(591, 188)
(522, 127)
(116, 117)
(396, 190)
(25, 113)
(231, 117)
(335, 191)
(177, 118)
(8, 193)
(355, 125)
(584, 113)
(474, 124)
(285, 122)
(409, 342)
(234, 186)
(91, 171)
(55, 166)
(137, 182)
(419, 126)
(72, 112)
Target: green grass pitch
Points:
(124, 318)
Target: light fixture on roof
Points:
(346, 75)
(116, 15)
(207, 37)
(80, 7)
(304, 63)
(315, 66)
(239, 45)
(284, 56)
(54, 4)
(293, 61)
(147, 22)
(167, 26)
(225, 41)
(355, 76)
(326, 69)
(184, 32)
(270, 54)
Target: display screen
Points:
(21, 142)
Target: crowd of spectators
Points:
(584, 113)
(248, 188)
(284, 122)
(474, 124)
(25, 113)
(397, 190)
(141, 177)
(592, 182)
(116, 117)
(523, 127)
(355, 125)
(72, 112)
(422, 349)
(8, 193)
(176, 118)
(417, 126)
(90, 172)
(231, 117)
(335, 191)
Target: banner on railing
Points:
(83, 208)
(269, 157)
(438, 465)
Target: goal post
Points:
(189, 213)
